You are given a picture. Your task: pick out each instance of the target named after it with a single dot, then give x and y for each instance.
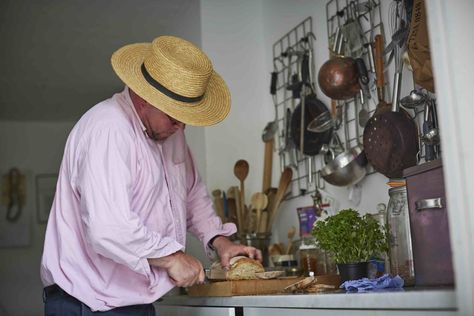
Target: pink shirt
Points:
(121, 198)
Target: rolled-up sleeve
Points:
(112, 228)
(202, 220)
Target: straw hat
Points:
(176, 77)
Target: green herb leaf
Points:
(350, 237)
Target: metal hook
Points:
(278, 59)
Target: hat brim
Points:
(213, 108)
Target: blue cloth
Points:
(365, 284)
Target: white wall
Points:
(34, 148)
(232, 37)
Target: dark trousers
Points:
(59, 303)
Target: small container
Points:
(260, 241)
(309, 259)
(289, 265)
(293, 271)
(312, 259)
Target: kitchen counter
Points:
(427, 299)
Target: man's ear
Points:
(137, 101)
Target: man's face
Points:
(159, 125)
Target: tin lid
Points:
(308, 246)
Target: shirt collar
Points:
(130, 102)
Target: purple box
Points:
(429, 224)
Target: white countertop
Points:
(408, 299)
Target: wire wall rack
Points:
(368, 14)
(287, 53)
(290, 53)
(366, 17)
(294, 76)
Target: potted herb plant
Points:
(352, 239)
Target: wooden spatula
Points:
(259, 201)
(285, 180)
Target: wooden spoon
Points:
(241, 171)
(219, 204)
(271, 193)
(267, 165)
(231, 203)
(262, 228)
(285, 180)
(291, 234)
(238, 211)
(259, 201)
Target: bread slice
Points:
(241, 268)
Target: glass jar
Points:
(401, 253)
(379, 265)
(260, 241)
(312, 259)
(308, 259)
(331, 267)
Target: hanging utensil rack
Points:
(368, 16)
(287, 52)
(285, 63)
(292, 43)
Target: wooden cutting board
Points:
(242, 287)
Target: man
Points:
(128, 188)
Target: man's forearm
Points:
(164, 262)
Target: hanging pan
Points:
(390, 138)
(338, 77)
(307, 141)
(312, 142)
(348, 167)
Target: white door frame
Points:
(452, 49)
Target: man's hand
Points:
(184, 270)
(226, 250)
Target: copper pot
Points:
(339, 79)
